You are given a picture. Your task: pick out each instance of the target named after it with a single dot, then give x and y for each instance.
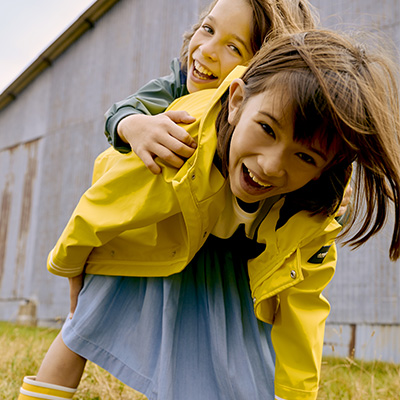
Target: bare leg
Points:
(61, 366)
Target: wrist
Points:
(120, 129)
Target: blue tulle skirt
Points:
(192, 335)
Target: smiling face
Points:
(264, 159)
(220, 44)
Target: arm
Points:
(299, 326)
(126, 196)
(129, 124)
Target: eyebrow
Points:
(313, 149)
(238, 38)
(319, 152)
(270, 116)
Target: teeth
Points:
(201, 69)
(257, 181)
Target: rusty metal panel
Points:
(366, 285)
(378, 342)
(52, 133)
(339, 340)
(363, 341)
(66, 173)
(19, 189)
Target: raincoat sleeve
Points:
(298, 329)
(124, 196)
(153, 98)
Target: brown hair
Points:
(270, 17)
(344, 96)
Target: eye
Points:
(268, 130)
(235, 49)
(306, 158)
(208, 29)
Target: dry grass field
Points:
(23, 348)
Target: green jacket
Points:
(131, 222)
(153, 98)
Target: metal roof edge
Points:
(85, 22)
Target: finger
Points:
(180, 133)
(180, 117)
(168, 156)
(149, 162)
(72, 308)
(179, 141)
(175, 146)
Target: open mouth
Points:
(201, 72)
(253, 181)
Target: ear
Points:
(236, 96)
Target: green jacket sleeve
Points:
(153, 98)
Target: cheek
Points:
(298, 177)
(307, 178)
(192, 44)
(316, 177)
(234, 150)
(228, 64)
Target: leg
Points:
(61, 366)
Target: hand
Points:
(345, 201)
(152, 136)
(75, 286)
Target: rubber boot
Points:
(32, 390)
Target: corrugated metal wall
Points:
(52, 133)
(365, 292)
(50, 136)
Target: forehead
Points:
(236, 14)
(281, 111)
(273, 103)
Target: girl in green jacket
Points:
(210, 50)
(206, 282)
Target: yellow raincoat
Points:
(133, 223)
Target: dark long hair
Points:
(344, 96)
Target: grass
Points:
(23, 348)
(22, 351)
(348, 379)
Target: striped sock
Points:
(34, 390)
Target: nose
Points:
(273, 164)
(209, 49)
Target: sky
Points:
(28, 27)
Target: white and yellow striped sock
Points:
(34, 390)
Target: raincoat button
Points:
(193, 176)
(293, 274)
(205, 234)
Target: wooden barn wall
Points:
(52, 133)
